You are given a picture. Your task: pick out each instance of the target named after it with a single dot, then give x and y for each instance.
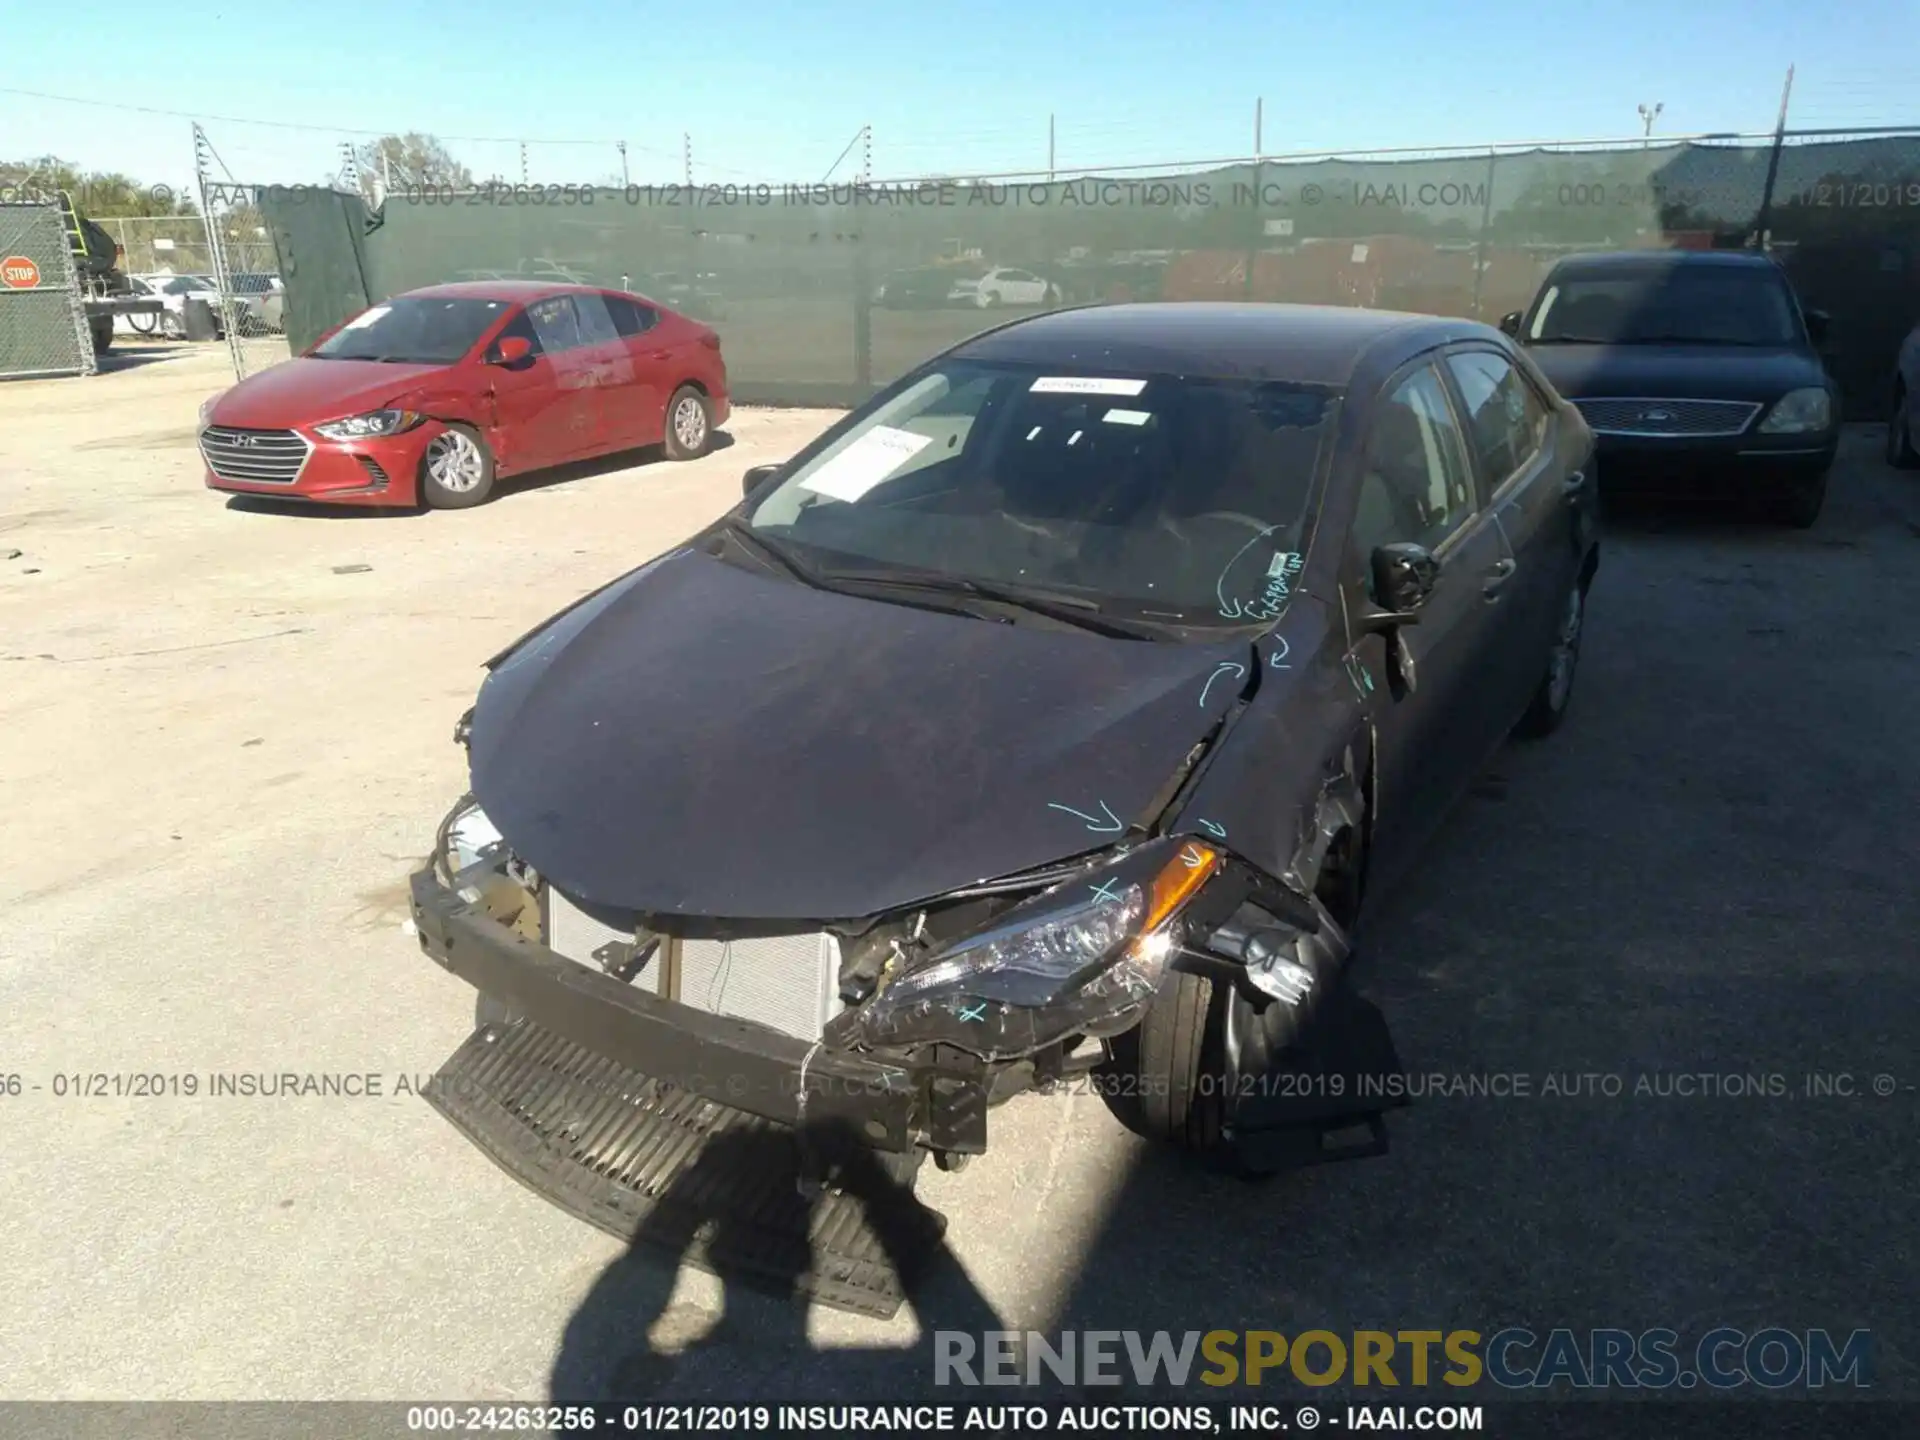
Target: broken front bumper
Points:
(733, 1063)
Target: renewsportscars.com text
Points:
(1513, 1358)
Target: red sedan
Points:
(432, 396)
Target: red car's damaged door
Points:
(546, 408)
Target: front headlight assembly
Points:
(372, 425)
(1800, 412)
(1082, 958)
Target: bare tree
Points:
(410, 159)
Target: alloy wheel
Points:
(690, 423)
(454, 462)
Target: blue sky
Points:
(774, 91)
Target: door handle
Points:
(1574, 485)
(660, 355)
(1498, 574)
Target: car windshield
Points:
(188, 284)
(1684, 304)
(1169, 498)
(415, 330)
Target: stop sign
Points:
(17, 272)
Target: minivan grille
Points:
(1627, 416)
(257, 457)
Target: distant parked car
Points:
(1903, 452)
(1003, 285)
(1695, 369)
(432, 396)
(925, 289)
(266, 297)
(174, 291)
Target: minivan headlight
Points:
(369, 426)
(1799, 411)
(1082, 958)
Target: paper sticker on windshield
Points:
(1127, 417)
(1085, 385)
(369, 318)
(865, 463)
(1284, 564)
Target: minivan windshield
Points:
(1173, 498)
(1682, 304)
(418, 330)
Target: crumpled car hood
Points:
(697, 739)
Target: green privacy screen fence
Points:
(823, 292)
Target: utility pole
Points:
(866, 154)
(686, 155)
(523, 162)
(623, 163)
(1647, 117)
(1257, 104)
(1763, 224)
(1049, 149)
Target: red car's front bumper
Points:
(297, 464)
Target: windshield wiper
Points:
(768, 549)
(1082, 614)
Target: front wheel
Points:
(1800, 507)
(1548, 708)
(689, 424)
(1901, 454)
(456, 473)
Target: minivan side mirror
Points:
(756, 477)
(1510, 323)
(1403, 575)
(1819, 324)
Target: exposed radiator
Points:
(788, 982)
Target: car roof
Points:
(1306, 344)
(1645, 262)
(520, 291)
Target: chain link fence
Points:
(822, 292)
(43, 318)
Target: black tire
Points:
(1901, 454)
(688, 404)
(1799, 508)
(1169, 1072)
(1168, 1075)
(172, 327)
(1547, 711)
(445, 494)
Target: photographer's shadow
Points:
(628, 1342)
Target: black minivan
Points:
(1696, 370)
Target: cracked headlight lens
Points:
(1083, 957)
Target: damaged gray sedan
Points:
(1049, 716)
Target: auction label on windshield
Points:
(865, 463)
(1085, 385)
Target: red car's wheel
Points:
(456, 473)
(689, 424)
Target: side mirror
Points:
(1510, 324)
(510, 350)
(1819, 324)
(1403, 577)
(756, 477)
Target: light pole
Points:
(1647, 116)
